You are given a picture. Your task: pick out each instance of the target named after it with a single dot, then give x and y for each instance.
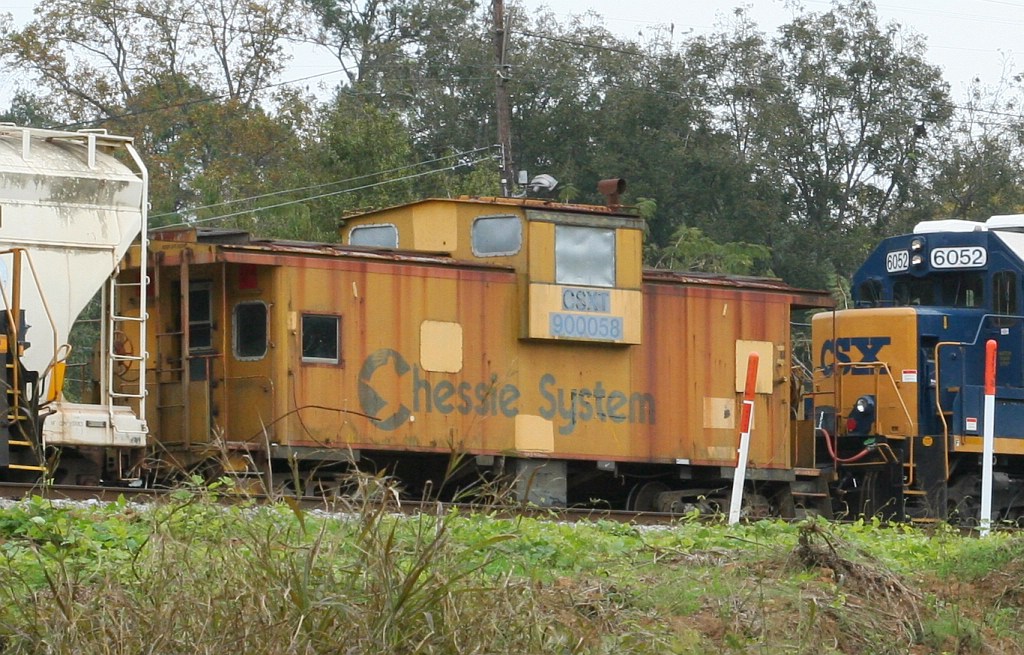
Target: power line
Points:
(327, 195)
(458, 155)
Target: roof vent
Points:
(1006, 223)
(949, 225)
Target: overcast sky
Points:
(967, 38)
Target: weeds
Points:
(191, 575)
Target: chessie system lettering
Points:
(418, 393)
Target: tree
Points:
(189, 79)
(856, 97)
(376, 39)
(98, 54)
(832, 114)
(28, 110)
(981, 169)
(691, 250)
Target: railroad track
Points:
(18, 491)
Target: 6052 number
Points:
(961, 257)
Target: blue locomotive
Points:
(899, 377)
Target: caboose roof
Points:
(521, 203)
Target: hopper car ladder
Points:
(25, 449)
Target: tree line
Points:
(789, 154)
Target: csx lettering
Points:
(586, 300)
(851, 350)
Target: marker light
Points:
(862, 417)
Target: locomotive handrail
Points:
(981, 323)
(938, 394)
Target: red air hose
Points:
(832, 450)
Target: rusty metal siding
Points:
(383, 308)
(690, 357)
(663, 401)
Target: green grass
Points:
(192, 575)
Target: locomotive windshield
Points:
(954, 289)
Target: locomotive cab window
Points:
(321, 336)
(962, 289)
(584, 255)
(250, 333)
(496, 236)
(869, 293)
(1004, 293)
(379, 236)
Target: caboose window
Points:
(320, 338)
(250, 334)
(200, 318)
(379, 236)
(584, 255)
(495, 236)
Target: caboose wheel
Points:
(643, 497)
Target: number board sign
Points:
(959, 257)
(897, 261)
(585, 313)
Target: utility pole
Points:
(501, 102)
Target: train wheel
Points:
(643, 497)
(963, 501)
(876, 496)
(869, 495)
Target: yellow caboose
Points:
(450, 338)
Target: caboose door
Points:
(201, 358)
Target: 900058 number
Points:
(605, 328)
(962, 257)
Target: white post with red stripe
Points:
(745, 418)
(988, 437)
